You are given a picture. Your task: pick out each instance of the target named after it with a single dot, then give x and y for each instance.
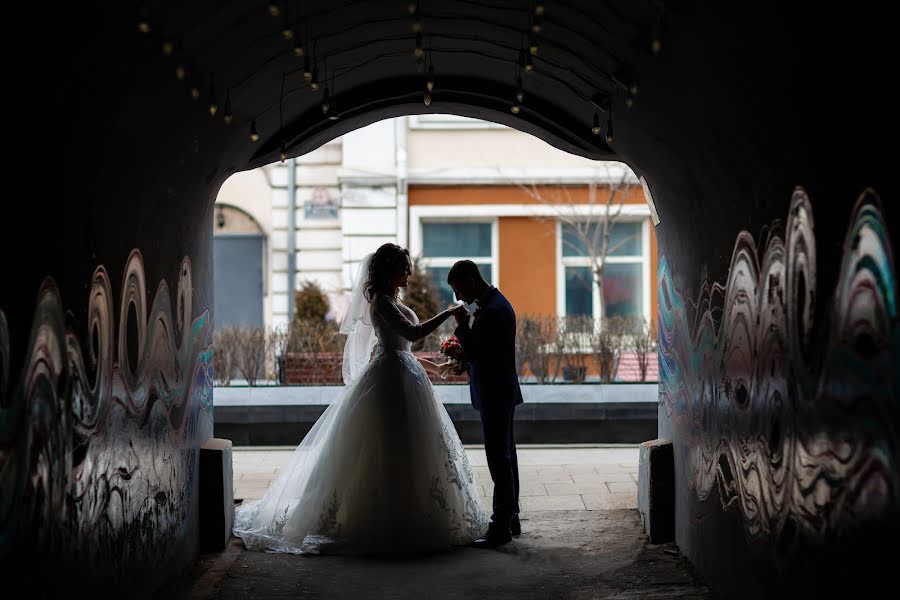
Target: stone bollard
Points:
(216, 495)
(656, 490)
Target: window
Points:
(444, 243)
(452, 240)
(624, 239)
(623, 277)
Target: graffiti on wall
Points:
(793, 422)
(99, 448)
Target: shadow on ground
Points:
(577, 555)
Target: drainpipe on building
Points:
(291, 237)
(291, 251)
(402, 185)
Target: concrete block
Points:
(216, 495)
(656, 490)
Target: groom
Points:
(490, 346)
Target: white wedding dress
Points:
(381, 471)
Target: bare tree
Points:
(643, 344)
(608, 342)
(253, 352)
(591, 223)
(227, 351)
(537, 342)
(576, 345)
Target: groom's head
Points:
(466, 281)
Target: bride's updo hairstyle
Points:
(387, 262)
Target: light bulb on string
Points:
(629, 101)
(168, 48)
(143, 24)
(332, 104)
(274, 9)
(609, 130)
(283, 152)
(307, 73)
(195, 91)
(656, 42)
(412, 7)
(416, 24)
(227, 116)
(213, 107)
(429, 82)
(419, 52)
(298, 46)
(596, 128)
(539, 7)
(427, 98)
(529, 65)
(326, 101)
(254, 135)
(515, 108)
(536, 24)
(314, 81)
(533, 46)
(180, 72)
(633, 88)
(287, 32)
(520, 93)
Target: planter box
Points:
(313, 368)
(325, 368)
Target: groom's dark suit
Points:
(490, 345)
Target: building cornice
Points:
(520, 176)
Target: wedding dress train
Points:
(382, 470)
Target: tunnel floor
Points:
(561, 554)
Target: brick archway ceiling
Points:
(585, 60)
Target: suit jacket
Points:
(490, 345)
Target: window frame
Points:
(642, 259)
(417, 244)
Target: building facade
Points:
(447, 188)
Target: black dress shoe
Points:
(492, 540)
(514, 526)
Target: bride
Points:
(383, 469)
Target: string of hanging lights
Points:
(290, 30)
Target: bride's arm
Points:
(402, 325)
(430, 366)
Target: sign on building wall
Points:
(321, 205)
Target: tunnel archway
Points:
(725, 122)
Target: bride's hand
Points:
(444, 369)
(459, 311)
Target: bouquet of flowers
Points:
(452, 349)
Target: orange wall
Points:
(528, 264)
(512, 194)
(527, 258)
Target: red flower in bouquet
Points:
(452, 349)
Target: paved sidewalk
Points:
(571, 555)
(569, 478)
(570, 548)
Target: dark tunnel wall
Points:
(105, 320)
(778, 327)
(762, 138)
